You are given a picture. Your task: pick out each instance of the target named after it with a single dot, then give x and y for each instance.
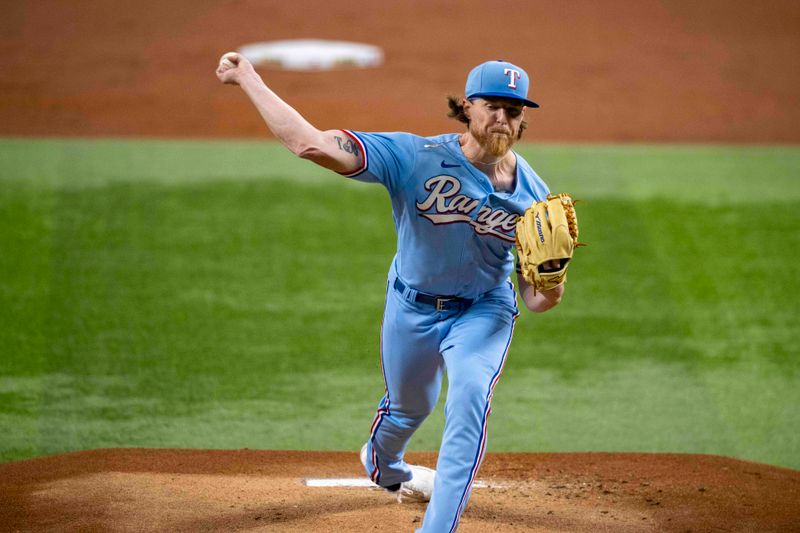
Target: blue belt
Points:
(440, 303)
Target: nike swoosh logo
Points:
(447, 165)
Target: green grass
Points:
(226, 295)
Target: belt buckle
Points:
(440, 303)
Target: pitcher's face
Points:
(495, 122)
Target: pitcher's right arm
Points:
(332, 149)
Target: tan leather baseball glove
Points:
(547, 234)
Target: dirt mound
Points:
(194, 490)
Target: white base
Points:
(361, 482)
(312, 54)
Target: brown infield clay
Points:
(199, 490)
(610, 70)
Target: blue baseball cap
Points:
(499, 79)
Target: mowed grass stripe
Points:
(708, 174)
(218, 294)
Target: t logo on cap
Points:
(499, 79)
(514, 76)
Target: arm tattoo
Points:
(347, 145)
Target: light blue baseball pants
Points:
(418, 344)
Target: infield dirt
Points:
(194, 490)
(669, 70)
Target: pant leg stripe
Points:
(482, 448)
(383, 410)
(375, 473)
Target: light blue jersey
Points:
(449, 306)
(454, 231)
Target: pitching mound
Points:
(191, 490)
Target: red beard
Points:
(497, 144)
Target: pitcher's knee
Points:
(417, 410)
(467, 396)
(410, 418)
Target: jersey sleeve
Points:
(388, 158)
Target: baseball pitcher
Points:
(461, 202)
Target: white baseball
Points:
(226, 62)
